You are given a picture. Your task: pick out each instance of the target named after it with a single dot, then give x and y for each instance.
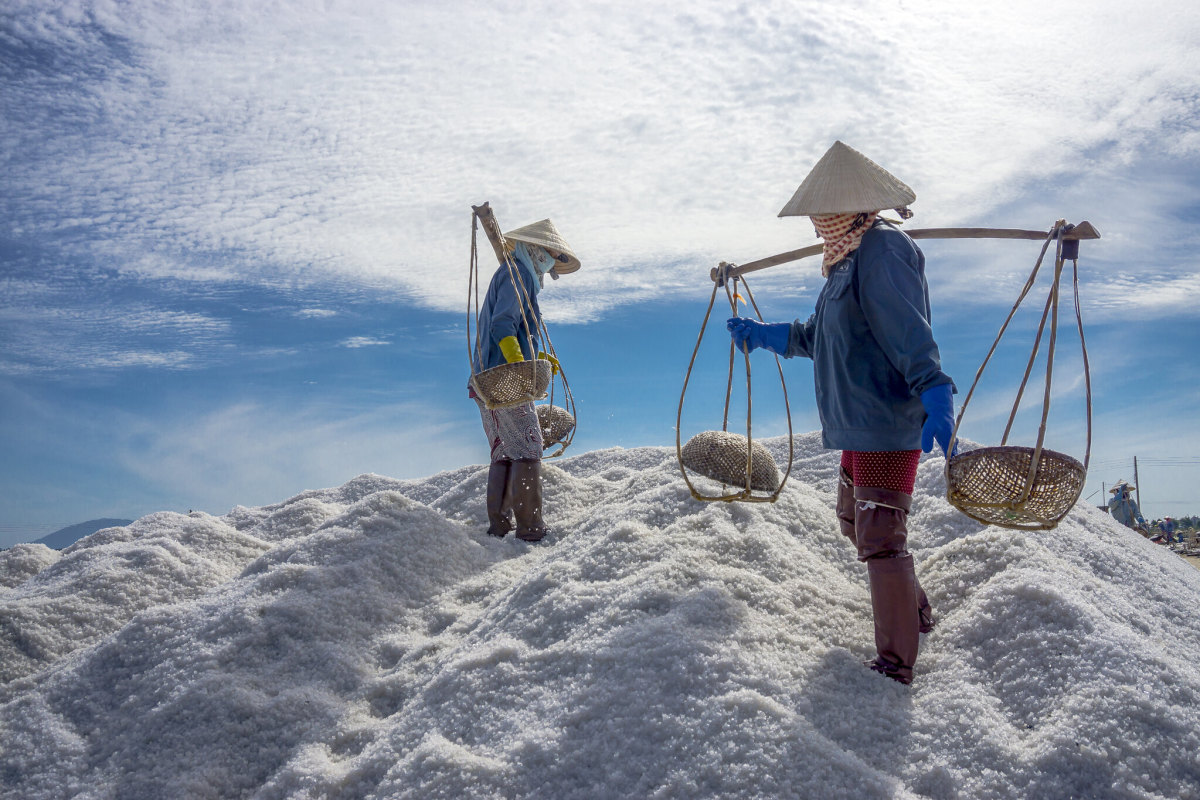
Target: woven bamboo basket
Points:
(555, 423)
(989, 485)
(512, 384)
(721, 455)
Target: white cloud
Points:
(58, 334)
(355, 342)
(284, 143)
(1149, 293)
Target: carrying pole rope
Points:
(679, 411)
(1020, 298)
(745, 495)
(1087, 373)
(786, 405)
(482, 214)
(473, 282)
(569, 402)
(749, 398)
(1058, 234)
(501, 247)
(732, 355)
(687, 377)
(568, 397)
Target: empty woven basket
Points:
(555, 423)
(512, 384)
(721, 455)
(988, 484)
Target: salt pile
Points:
(372, 641)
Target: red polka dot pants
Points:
(890, 469)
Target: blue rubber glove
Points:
(751, 333)
(939, 417)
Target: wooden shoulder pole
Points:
(492, 229)
(1083, 230)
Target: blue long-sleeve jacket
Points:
(1124, 509)
(500, 316)
(872, 345)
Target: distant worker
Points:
(1167, 526)
(508, 331)
(1124, 508)
(881, 393)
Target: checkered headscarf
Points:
(842, 234)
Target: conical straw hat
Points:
(545, 234)
(845, 181)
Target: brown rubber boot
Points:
(893, 598)
(880, 522)
(924, 610)
(845, 515)
(525, 483)
(880, 518)
(845, 505)
(498, 499)
(888, 536)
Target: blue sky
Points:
(234, 237)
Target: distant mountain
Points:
(73, 533)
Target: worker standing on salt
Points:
(881, 393)
(508, 325)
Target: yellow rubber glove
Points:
(553, 362)
(511, 349)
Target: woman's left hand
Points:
(554, 366)
(939, 417)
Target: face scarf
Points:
(536, 261)
(842, 234)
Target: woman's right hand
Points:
(511, 349)
(750, 334)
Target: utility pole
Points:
(1137, 486)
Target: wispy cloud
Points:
(286, 143)
(1151, 293)
(225, 454)
(52, 338)
(355, 342)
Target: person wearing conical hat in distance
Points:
(507, 331)
(1166, 531)
(881, 393)
(1124, 509)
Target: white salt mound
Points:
(371, 641)
(23, 561)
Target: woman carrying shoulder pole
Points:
(507, 331)
(881, 393)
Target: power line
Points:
(1158, 462)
